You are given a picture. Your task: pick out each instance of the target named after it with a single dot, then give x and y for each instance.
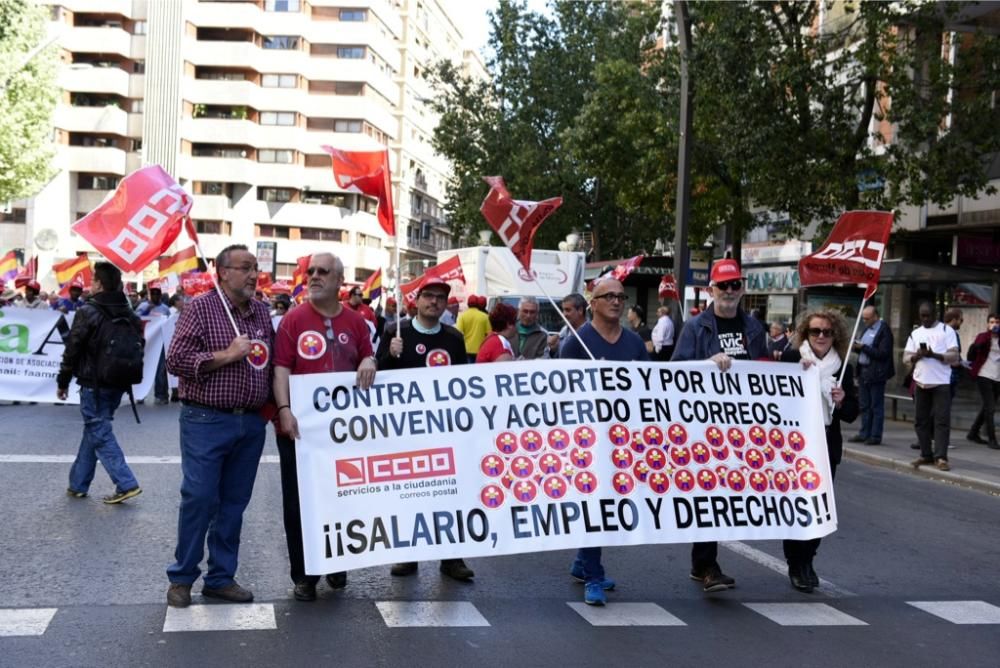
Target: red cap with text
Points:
(725, 270)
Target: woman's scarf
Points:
(828, 367)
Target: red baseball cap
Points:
(433, 280)
(725, 270)
(390, 300)
(452, 301)
(34, 286)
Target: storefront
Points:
(772, 275)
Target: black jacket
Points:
(82, 341)
(880, 367)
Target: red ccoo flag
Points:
(515, 221)
(140, 221)
(852, 253)
(668, 288)
(366, 172)
(449, 270)
(28, 273)
(622, 271)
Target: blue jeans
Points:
(588, 561)
(219, 457)
(872, 398)
(98, 406)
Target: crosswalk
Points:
(434, 614)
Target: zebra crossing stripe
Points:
(25, 621)
(221, 617)
(626, 614)
(961, 612)
(804, 614)
(430, 613)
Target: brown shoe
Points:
(179, 595)
(942, 465)
(920, 461)
(232, 593)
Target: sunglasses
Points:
(816, 331)
(322, 271)
(730, 285)
(613, 297)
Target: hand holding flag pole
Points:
(516, 222)
(853, 253)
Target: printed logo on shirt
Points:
(732, 344)
(438, 357)
(259, 354)
(311, 345)
(421, 349)
(343, 338)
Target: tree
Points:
(28, 95)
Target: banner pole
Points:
(562, 315)
(215, 282)
(857, 321)
(398, 290)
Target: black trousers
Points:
(803, 551)
(989, 390)
(932, 420)
(290, 508)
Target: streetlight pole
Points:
(682, 254)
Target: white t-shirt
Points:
(940, 338)
(663, 333)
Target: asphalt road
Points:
(910, 580)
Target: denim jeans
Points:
(872, 398)
(588, 562)
(98, 406)
(219, 457)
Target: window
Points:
(211, 188)
(211, 226)
(277, 118)
(368, 205)
(353, 15)
(138, 67)
(274, 194)
(279, 80)
(96, 181)
(351, 52)
(15, 216)
(282, 42)
(346, 126)
(218, 151)
(284, 156)
(281, 6)
(319, 234)
(135, 145)
(274, 231)
(365, 240)
(284, 269)
(219, 75)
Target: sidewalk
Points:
(972, 465)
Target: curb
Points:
(929, 472)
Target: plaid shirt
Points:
(204, 328)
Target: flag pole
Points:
(398, 290)
(857, 321)
(572, 330)
(215, 282)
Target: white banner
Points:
(31, 350)
(491, 459)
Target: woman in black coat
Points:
(821, 340)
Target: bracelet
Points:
(285, 406)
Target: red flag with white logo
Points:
(447, 271)
(366, 172)
(196, 282)
(515, 221)
(140, 221)
(668, 288)
(853, 252)
(622, 271)
(28, 273)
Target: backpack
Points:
(119, 360)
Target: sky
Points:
(472, 21)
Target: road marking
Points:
(804, 614)
(626, 614)
(430, 613)
(69, 459)
(961, 612)
(779, 566)
(25, 621)
(221, 617)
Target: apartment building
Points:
(235, 99)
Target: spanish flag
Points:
(373, 286)
(68, 269)
(8, 266)
(178, 263)
(299, 277)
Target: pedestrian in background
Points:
(777, 341)
(154, 306)
(574, 308)
(663, 335)
(225, 380)
(636, 318)
(821, 340)
(503, 324)
(530, 341)
(875, 368)
(984, 353)
(474, 324)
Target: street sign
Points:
(267, 252)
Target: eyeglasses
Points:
(730, 285)
(329, 330)
(817, 332)
(613, 297)
(322, 271)
(246, 268)
(355, 294)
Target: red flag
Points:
(622, 271)
(366, 172)
(196, 282)
(67, 270)
(852, 253)
(515, 221)
(281, 287)
(81, 279)
(264, 282)
(140, 221)
(299, 275)
(27, 274)
(449, 270)
(668, 288)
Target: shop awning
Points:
(910, 271)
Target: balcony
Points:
(212, 207)
(123, 7)
(88, 200)
(135, 125)
(83, 78)
(98, 159)
(106, 120)
(237, 170)
(218, 130)
(97, 40)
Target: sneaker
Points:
(179, 595)
(304, 591)
(942, 465)
(593, 594)
(873, 441)
(233, 593)
(607, 584)
(920, 461)
(714, 580)
(456, 569)
(403, 568)
(118, 497)
(857, 439)
(337, 580)
(75, 494)
(975, 438)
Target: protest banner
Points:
(486, 460)
(31, 350)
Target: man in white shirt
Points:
(663, 335)
(932, 349)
